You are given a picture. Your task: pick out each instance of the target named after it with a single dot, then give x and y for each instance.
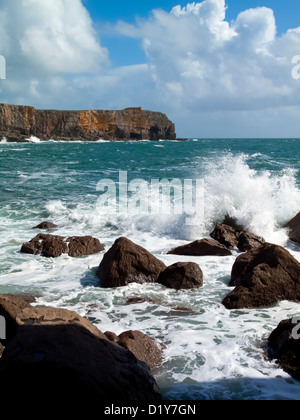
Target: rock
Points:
(82, 246)
(141, 345)
(67, 363)
(200, 248)
(18, 123)
(182, 275)
(230, 236)
(294, 229)
(18, 312)
(125, 262)
(46, 226)
(248, 241)
(53, 246)
(50, 246)
(225, 235)
(286, 348)
(263, 277)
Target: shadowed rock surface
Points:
(18, 123)
(230, 236)
(285, 348)
(294, 229)
(55, 363)
(200, 248)
(126, 262)
(182, 275)
(263, 277)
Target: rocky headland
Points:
(20, 123)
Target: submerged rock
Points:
(294, 229)
(284, 346)
(126, 262)
(182, 275)
(46, 226)
(263, 277)
(200, 248)
(53, 246)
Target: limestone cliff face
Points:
(18, 123)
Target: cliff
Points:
(18, 123)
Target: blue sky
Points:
(216, 68)
(124, 51)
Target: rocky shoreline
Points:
(43, 343)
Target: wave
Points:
(261, 201)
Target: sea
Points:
(211, 353)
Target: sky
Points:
(216, 68)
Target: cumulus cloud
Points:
(199, 68)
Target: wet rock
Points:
(53, 246)
(248, 241)
(200, 248)
(126, 262)
(182, 275)
(263, 277)
(284, 346)
(225, 235)
(294, 229)
(85, 245)
(142, 346)
(230, 236)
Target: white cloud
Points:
(199, 69)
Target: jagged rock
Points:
(248, 241)
(294, 229)
(284, 346)
(225, 235)
(65, 363)
(230, 236)
(263, 277)
(18, 123)
(53, 246)
(182, 275)
(126, 262)
(200, 248)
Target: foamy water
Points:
(212, 353)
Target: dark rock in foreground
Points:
(284, 346)
(182, 275)
(53, 246)
(54, 354)
(203, 247)
(68, 363)
(18, 123)
(263, 277)
(294, 229)
(126, 262)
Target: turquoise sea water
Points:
(211, 353)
